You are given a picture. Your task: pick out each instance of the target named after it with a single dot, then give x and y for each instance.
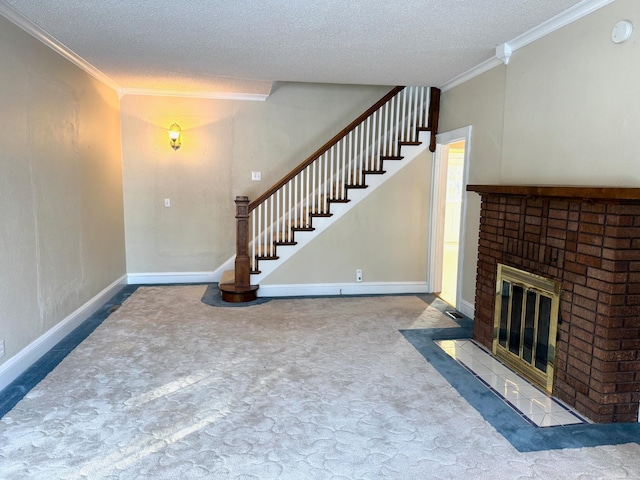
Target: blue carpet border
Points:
(523, 436)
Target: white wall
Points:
(566, 110)
(62, 235)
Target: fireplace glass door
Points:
(526, 323)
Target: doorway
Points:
(452, 215)
(448, 207)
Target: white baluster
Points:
(376, 148)
(385, 130)
(373, 141)
(323, 191)
(271, 253)
(343, 161)
(277, 222)
(421, 102)
(259, 231)
(252, 235)
(308, 195)
(353, 160)
(410, 116)
(303, 194)
(289, 211)
(360, 153)
(403, 120)
(368, 143)
(396, 129)
(313, 185)
(331, 177)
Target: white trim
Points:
(570, 15)
(463, 212)
(38, 33)
(321, 289)
(457, 135)
(467, 309)
(19, 363)
(503, 53)
(255, 97)
(434, 271)
(17, 18)
(435, 248)
(172, 277)
(471, 73)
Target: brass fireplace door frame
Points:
(542, 287)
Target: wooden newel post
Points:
(243, 264)
(434, 115)
(240, 290)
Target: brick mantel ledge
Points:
(559, 191)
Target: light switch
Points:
(167, 202)
(256, 176)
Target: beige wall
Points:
(62, 235)
(566, 110)
(572, 114)
(479, 103)
(223, 142)
(385, 236)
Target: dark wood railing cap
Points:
(560, 191)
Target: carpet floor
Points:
(168, 387)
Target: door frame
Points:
(438, 200)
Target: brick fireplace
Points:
(588, 239)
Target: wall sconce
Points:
(174, 135)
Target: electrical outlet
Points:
(358, 275)
(1, 348)
(167, 202)
(256, 176)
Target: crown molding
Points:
(15, 17)
(570, 15)
(471, 73)
(255, 97)
(504, 51)
(38, 33)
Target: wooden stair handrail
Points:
(325, 147)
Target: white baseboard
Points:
(172, 277)
(19, 363)
(320, 289)
(466, 308)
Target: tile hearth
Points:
(533, 405)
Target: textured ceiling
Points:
(245, 45)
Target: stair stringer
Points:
(338, 210)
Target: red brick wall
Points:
(593, 249)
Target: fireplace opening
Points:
(526, 324)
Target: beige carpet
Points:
(170, 388)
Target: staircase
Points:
(327, 184)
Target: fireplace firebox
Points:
(526, 324)
(586, 241)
